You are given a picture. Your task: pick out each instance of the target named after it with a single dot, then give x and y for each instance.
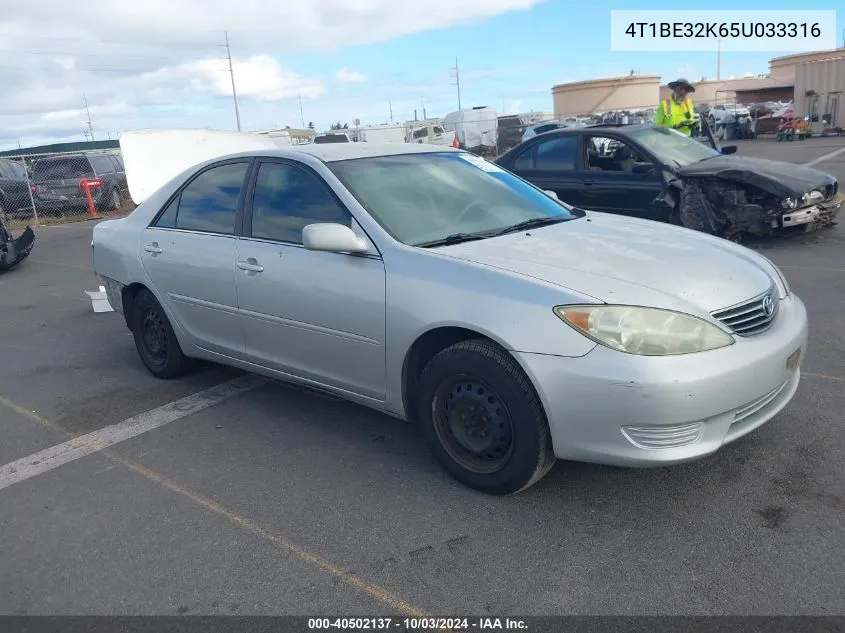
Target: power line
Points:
(457, 77)
(232, 74)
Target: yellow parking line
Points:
(825, 376)
(385, 596)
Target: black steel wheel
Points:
(155, 339)
(482, 418)
(473, 424)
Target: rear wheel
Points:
(155, 340)
(482, 418)
(114, 200)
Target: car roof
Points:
(623, 129)
(330, 152)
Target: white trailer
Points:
(382, 134)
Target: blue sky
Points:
(346, 58)
(512, 60)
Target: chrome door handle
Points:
(152, 248)
(251, 265)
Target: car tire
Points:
(155, 339)
(114, 200)
(482, 418)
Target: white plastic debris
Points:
(99, 300)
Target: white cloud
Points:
(347, 76)
(145, 64)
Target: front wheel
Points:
(482, 418)
(155, 339)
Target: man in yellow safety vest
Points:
(677, 111)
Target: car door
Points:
(620, 178)
(189, 253)
(315, 315)
(552, 165)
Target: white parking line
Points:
(825, 157)
(55, 456)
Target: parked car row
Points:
(56, 184)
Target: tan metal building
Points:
(600, 95)
(819, 87)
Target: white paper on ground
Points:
(99, 300)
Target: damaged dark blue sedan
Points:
(660, 174)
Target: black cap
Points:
(683, 83)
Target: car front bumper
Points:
(613, 408)
(818, 214)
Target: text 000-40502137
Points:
(694, 30)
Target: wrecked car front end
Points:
(14, 250)
(731, 196)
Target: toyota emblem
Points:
(768, 306)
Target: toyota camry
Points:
(433, 285)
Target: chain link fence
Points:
(42, 189)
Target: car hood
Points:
(627, 261)
(778, 178)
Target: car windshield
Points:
(421, 198)
(672, 147)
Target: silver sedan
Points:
(430, 284)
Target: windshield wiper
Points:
(455, 238)
(531, 224)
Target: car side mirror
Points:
(551, 194)
(729, 149)
(335, 238)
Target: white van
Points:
(430, 135)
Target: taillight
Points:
(91, 183)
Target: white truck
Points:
(430, 134)
(476, 128)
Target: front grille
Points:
(751, 317)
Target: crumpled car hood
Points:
(627, 261)
(14, 251)
(778, 178)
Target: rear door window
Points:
(102, 165)
(72, 167)
(557, 154)
(210, 202)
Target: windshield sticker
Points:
(481, 163)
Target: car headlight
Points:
(789, 203)
(644, 331)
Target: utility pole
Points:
(232, 73)
(301, 115)
(719, 59)
(88, 114)
(457, 83)
(422, 100)
(390, 103)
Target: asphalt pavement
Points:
(279, 501)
